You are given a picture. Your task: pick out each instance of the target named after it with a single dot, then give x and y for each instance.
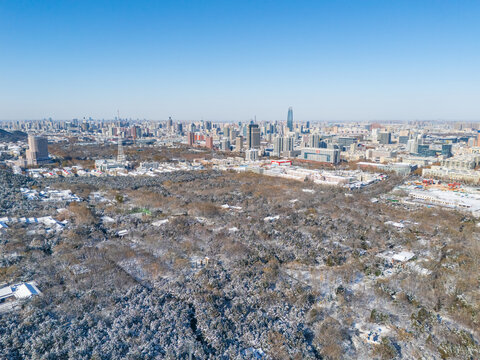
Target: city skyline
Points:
(243, 120)
(332, 61)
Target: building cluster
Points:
(352, 179)
(50, 195)
(444, 150)
(44, 224)
(451, 195)
(99, 129)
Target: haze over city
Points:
(229, 61)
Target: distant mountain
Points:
(13, 136)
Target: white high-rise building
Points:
(278, 145)
(251, 155)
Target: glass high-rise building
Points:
(290, 119)
(253, 138)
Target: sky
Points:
(360, 60)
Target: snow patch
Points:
(160, 222)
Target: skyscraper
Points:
(190, 138)
(209, 142)
(253, 136)
(288, 143)
(37, 150)
(225, 144)
(314, 141)
(384, 138)
(278, 146)
(447, 150)
(290, 119)
(412, 146)
(238, 143)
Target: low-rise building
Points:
(398, 168)
(465, 162)
(441, 172)
(331, 156)
(107, 165)
(19, 291)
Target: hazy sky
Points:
(231, 60)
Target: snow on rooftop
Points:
(419, 269)
(372, 333)
(271, 218)
(226, 206)
(6, 292)
(403, 256)
(47, 220)
(107, 219)
(20, 291)
(203, 220)
(26, 290)
(396, 224)
(466, 198)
